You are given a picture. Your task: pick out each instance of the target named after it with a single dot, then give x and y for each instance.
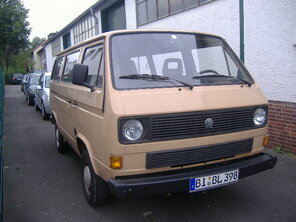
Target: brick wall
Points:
(282, 125)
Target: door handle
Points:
(74, 103)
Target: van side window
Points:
(71, 59)
(93, 58)
(58, 68)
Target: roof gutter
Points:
(96, 21)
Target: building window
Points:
(152, 10)
(66, 40)
(84, 29)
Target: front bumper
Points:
(47, 107)
(175, 181)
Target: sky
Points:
(47, 16)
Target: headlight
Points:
(132, 129)
(259, 117)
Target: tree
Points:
(14, 29)
(21, 62)
(37, 41)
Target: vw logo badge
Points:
(209, 123)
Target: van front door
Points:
(89, 115)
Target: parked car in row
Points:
(16, 78)
(29, 90)
(39, 71)
(25, 81)
(42, 96)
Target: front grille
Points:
(195, 155)
(189, 125)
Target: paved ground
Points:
(44, 186)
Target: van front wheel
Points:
(95, 188)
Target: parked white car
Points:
(42, 96)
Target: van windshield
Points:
(153, 60)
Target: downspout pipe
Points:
(242, 30)
(96, 21)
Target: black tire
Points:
(37, 107)
(45, 115)
(94, 187)
(60, 142)
(30, 101)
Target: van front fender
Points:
(83, 143)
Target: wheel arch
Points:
(53, 119)
(83, 144)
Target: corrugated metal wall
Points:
(56, 46)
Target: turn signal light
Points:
(265, 141)
(116, 162)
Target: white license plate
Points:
(211, 181)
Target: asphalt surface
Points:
(42, 185)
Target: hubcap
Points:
(57, 134)
(86, 178)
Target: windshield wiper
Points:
(154, 78)
(144, 76)
(183, 83)
(210, 75)
(242, 80)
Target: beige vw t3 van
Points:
(153, 111)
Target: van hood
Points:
(175, 100)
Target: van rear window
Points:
(71, 59)
(58, 68)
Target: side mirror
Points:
(38, 87)
(80, 73)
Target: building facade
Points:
(39, 58)
(268, 28)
